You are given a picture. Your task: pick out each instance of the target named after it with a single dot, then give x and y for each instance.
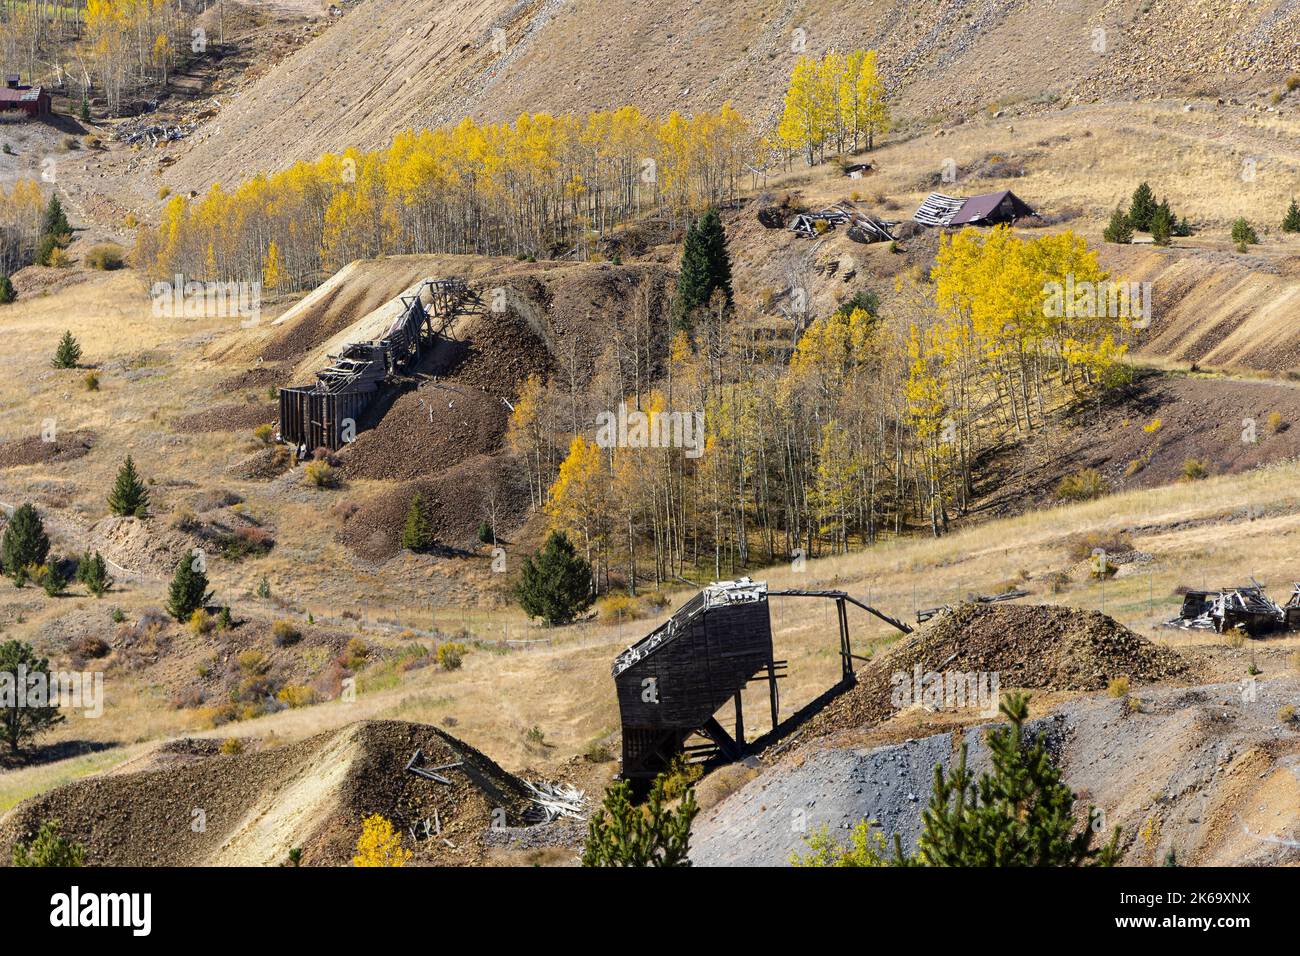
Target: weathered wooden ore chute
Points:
(318, 415)
(672, 682)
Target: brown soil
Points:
(233, 417)
(455, 500)
(1028, 646)
(32, 450)
(260, 804)
(1144, 439)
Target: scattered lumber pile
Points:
(862, 227)
(924, 614)
(1245, 608)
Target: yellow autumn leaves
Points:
(833, 103)
(530, 187)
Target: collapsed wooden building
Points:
(1243, 608)
(862, 227)
(987, 209)
(672, 683)
(326, 414)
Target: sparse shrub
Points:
(284, 633)
(1194, 469)
(117, 615)
(1286, 714)
(621, 834)
(200, 623)
(232, 746)
(355, 655)
(1275, 422)
(615, 608)
(1133, 467)
(68, 353)
(485, 533)
(451, 654)
(1118, 687)
(1082, 486)
(1085, 545)
(598, 753)
(164, 192)
(91, 381)
(1243, 233)
(320, 474)
(49, 849)
(297, 695)
(867, 847)
(1235, 638)
(264, 588)
(379, 844)
(534, 736)
(1153, 426)
(264, 433)
(253, 663)
(224, 622)
(106, 256)
(1056, 581)
(681, 777)
(89, 647)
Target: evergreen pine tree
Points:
(622, 834)
(25, 543)
(93, 573)
(22, 720)
(1119, 230)
(556, 582)
(68, 353)
(129, 498)
(55, 222)
(1162, 224)
(1291, 222)
(705, 266)
(1142, 208)
(1020, 814)
(416, 533)
(7, 293)
(53, 580)
(1243, 233)
(85, 109)
(189, 590)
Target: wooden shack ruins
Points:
(672, 683)
(327, 413)
(986, 209)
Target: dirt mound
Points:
(143, 545)
(455, 501)
(34, 450)
(262, 465)
(1027, 645)
(233, 417)
(258, 805)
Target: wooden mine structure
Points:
(318, 415)
(672, 682)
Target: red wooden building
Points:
(32, 100)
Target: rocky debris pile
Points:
(34, 450)
(259, 804)
(1026, 645)
(232, 417)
